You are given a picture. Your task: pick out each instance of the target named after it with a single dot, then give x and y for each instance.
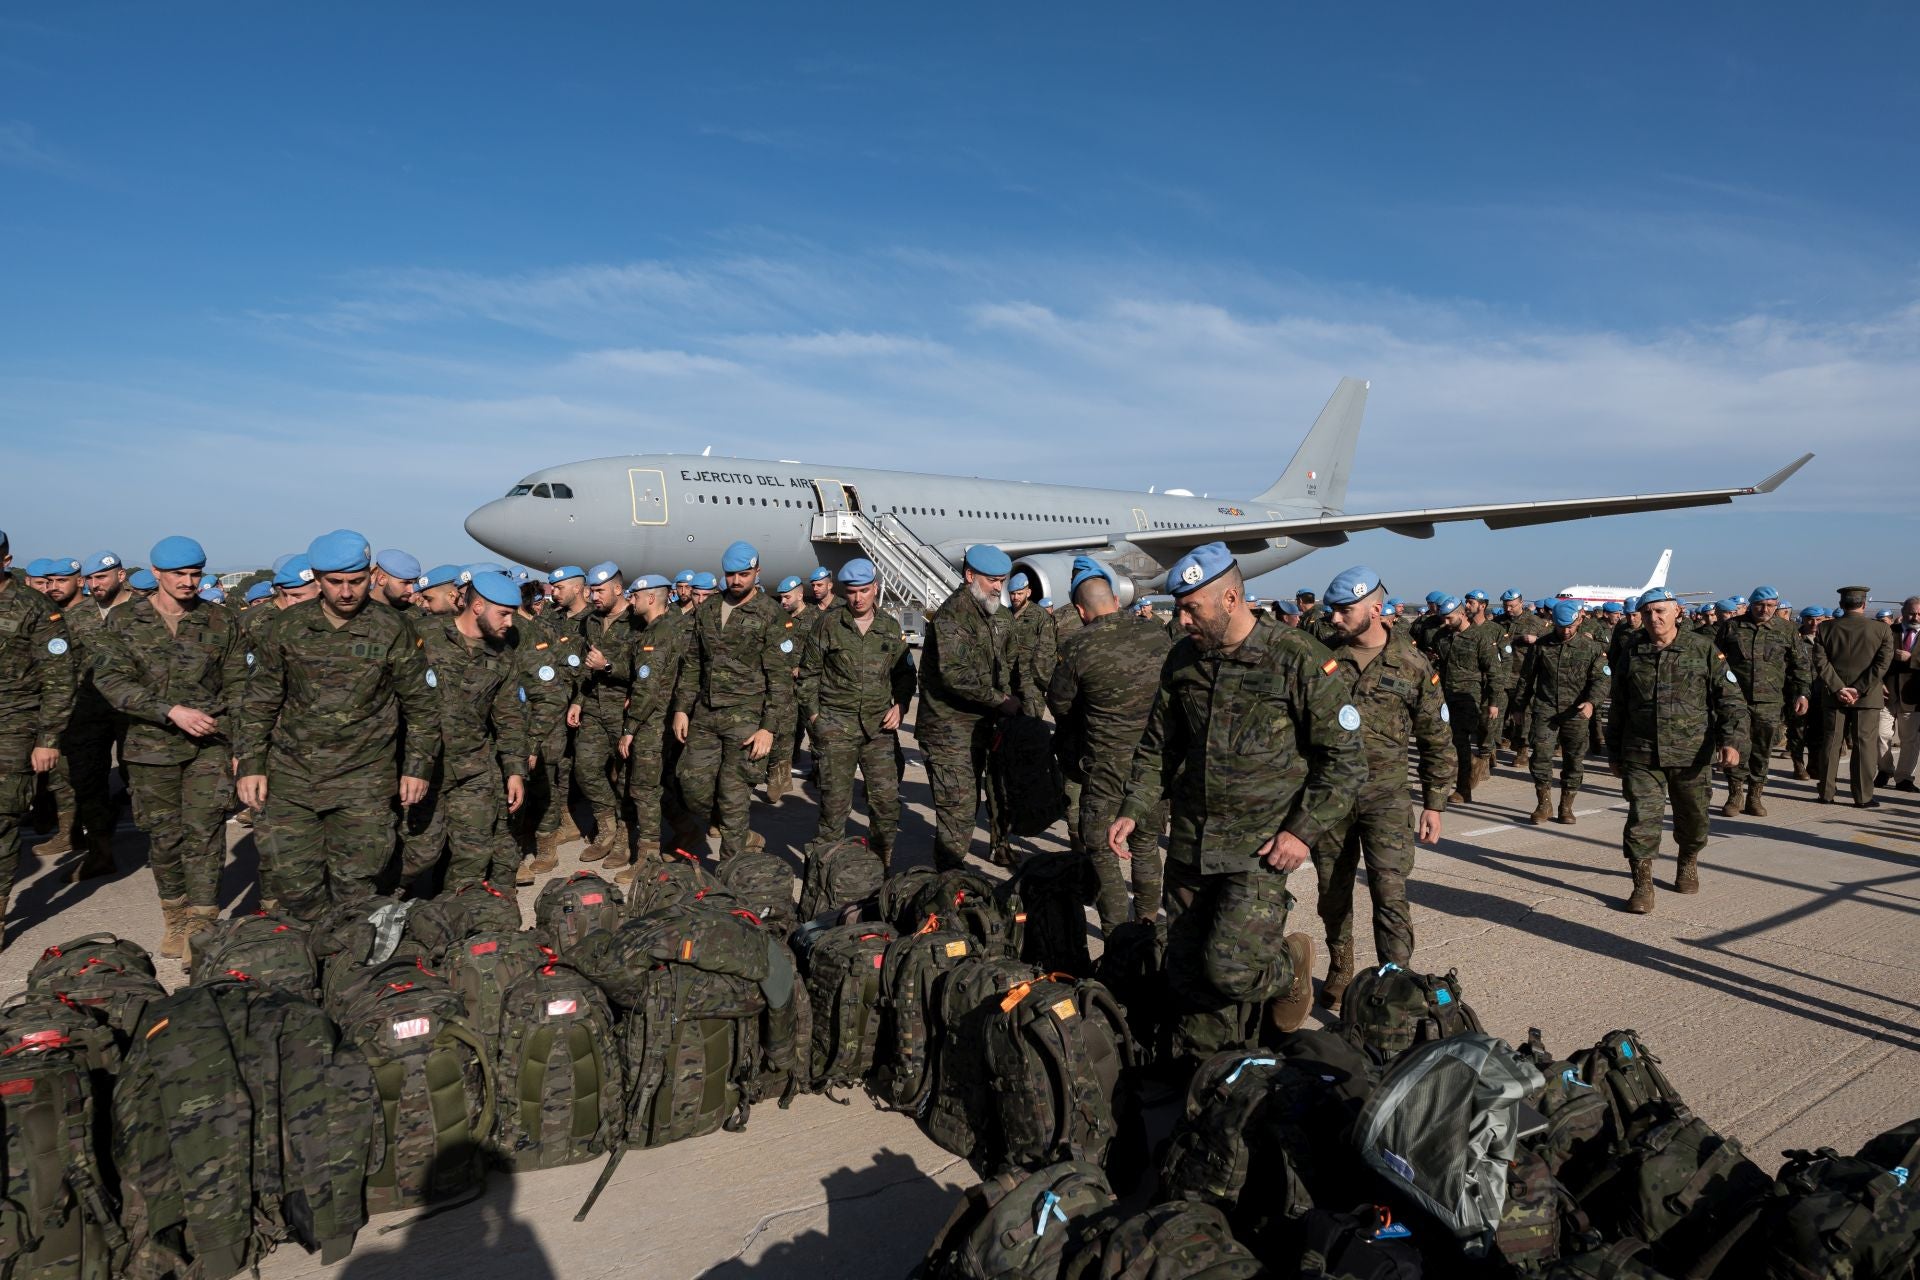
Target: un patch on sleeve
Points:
(786, 646)
(1349, 718)
(433, 681)
(545, 673)
(57, 646)
(1446, 716)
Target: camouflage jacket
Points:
(85, 625)
(1469, 664)
(1400, 704)
(144, 671)
(659, 648)
(1103, 689)
(1562, 674)
(1066, 621)
(1247, 744)
(966, 669)
(1033, 646)
(1766, 659)
(546, 681)
(606, 691)
(37, 676)
(1671, 707)
(1507, 656)
(324, 703)
(482, 715)
(744, 666)
(854, 674)
(1424, 630)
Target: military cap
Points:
(704, 581)
(208, 580)
(1449, 604)
(259, 591)
(1853, 597)
(683, 577)
(565, 573)
(1476, 594)
(1352, 586)
(605, 571)
(293, 572)
(177, 552)
(213, 594)
(1659, 595)
(342, 551)
(1633, 603)
(1046, 602)
(988, 559)
(1566, 612)
(63, 567)
(821, 573)
(787, 584)
(1017, 582)
(469, 572)
(520, 577)
(1738, 601)
(143, 580)
(739, 558)
(857, 572)
(1883, 615)
(1085, 567)
(1388, 609)
(1435, 597)
(1726, 606)
(1812, 611)
(496, 588)
(1613, 606)
(1511, 593)
(100, 562)
(38, 568)
(1786, 606)
(1202, 565)
(279, 562)
(1304, 593)
(397, 563)
(438, 576)
(649, 582)
(1287, 607)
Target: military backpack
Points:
(111, 978)
(1061, 1062)
(1030, 793)
(1021, 1225)
(963, 900)
(570, 907)
(1367, 1243)
(557, 1070)
(1052, 891)
(1838, 1217)
(840, 877)
(440, 924)
(910, 973)
(1387, 1011)
(844, 967)
(678, 880)
(1180, 1240)
(963, 1113)
(1133, 966)
(483, 966)
(270, 951)
(763, 884)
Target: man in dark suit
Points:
(1900, 722)
(1851, 655)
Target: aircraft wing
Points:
(1331, 530)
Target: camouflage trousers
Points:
(598, 769)
(647, 785)
(1648, 789)
(840, 746)
(1378, 831)
(464, 819)
(716, 774)
(16, 801)
(956, 750)
(1763, 724)
(1099, 804)
(183, 810)
(1463, 718)
(1226, 954)
(1566, 730)
(786, 746)
(548, 783)
(319, 852)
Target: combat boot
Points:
(1736, 796)
(1686, 875)
(61, 841)
(98, 860)
(755, 842)
(1339, 974)
(1642, 900)
(569, 829)
(1542, 803)
(779, 782)
(1565, 817)
(621, 854)
(1800, 773)
(194, 922)
(546, 852)
(1522, 757)
(173, 941)
(606, 828)
(1461, 795)
(1754, 809)
(1288, 1010)
(1482, 769)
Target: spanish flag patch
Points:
(1434, 678)
(1330, 666)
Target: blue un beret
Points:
(143, 580)
(565, 572)
(990, 560)
(496, 588)
(1449, 604)
(213, 594)
(857, 572)
(1352, 586)
(1511, 593)
(739, 558)
(1017, 582)
(294, 571)
(1566, 612)
(63, 567)
(1287, 607)
(605, 571)
(683, 577)
(1200, 566)
(1435, 597)
(1633, 604)
(177, 552)
(1085, 567)
(1388, 609)
(1613, 606)
(1658, 595)
(100, 562)
(342, 551)
(438, 576)
(469, 572)
(398, 563)
(821, 572)
(1476, 594)
(1812, 611)
(1763, 593)
(38, 568)
(787, 584)
(259, 591)
(649, 582)
(704, 581)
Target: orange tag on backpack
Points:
(1015, 996)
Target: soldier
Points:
(1256, 742)
(792, 596)
(1767, 661)
(1101, 694)
(599, 710)
(1032, 644)
(856, 682)
(58, 579)
(966, 678)
(547, 642)
(394, 573)
(1520, 631)
(87, 750)
(1470, 679)
(1397, 694)
(319, 732)
(1676, 709)
(657, 636)
(736, 689)
(1851, 657)
(1423, 628)
(567, 617)
(1310, 612)
(820, 589)
(36, 702)
(258, 595)
(174, 666)
(1564, 676)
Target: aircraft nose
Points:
(490, 525)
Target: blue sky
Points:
(271, 269)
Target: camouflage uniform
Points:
(1773, 675)
(848, 681)
(1671, 708)
(1034, 649)
(1560, 675)
(1471, 678)
(36, 699)
(736, 678)
(548, 659)
(1515, 628)
(1398, 697)
(1246, 744)
(786, 741)
(321, 719)
(598, 770)
(657, 654)
(483, 740)
(182, 787)
(965, 676)
(1800, 734)
(1101, 694)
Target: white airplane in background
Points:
(1592, 595)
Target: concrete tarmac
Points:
(1782, 1000)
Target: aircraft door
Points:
(1139, 518)
(831, 495)
(648, 487)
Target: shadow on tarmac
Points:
(477, 1239)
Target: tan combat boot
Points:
(755, 842)
(1522, 757)
(61, 841)
(1736, 796)
(546, 852)
(1542, 803)
(1482, 769)
(1290, 1008)
(569, 829)
(98, 860)
(779, 782)
(1565, 817)
(1642, 900)
(1339, 974)
(606, 829)
(173, 941)
(1686, 876)
(194, 922)
(1754, 809)
(621, 853)
(523, 874)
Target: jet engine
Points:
(1051, 574)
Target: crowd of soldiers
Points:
(388, 728)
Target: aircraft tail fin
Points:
(1659, 578)
(1318, 472)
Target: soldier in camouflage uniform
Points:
(801, 616)
(87, 749)
(476, 672)
(567, 615)
(658, 638)
(966, 679)
(1676, 709)
(58, 580)
(1254, 738)
(1766, 657)
(820, 593)
(1101, 694)
(175, 667)
(1520, 629)
(736, 690)
(1032, 645)
(856, 681)
(1564, 678)
(318, 737)
(549, 668)
(1470, 677)
(599, 711)
(1397, 693)
(1800, 735)
(36, 699)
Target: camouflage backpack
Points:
(964, 900)
(349, 936)
(571, 907)
(557, 1070)
(839, 876)
(680, 879)
(93, 948)
(1840, 1217)
(1388, 1010)
(1021, 1225)
(1133, 966)
(440, 924)
(1053, 890)
(1540, 1217)
(1180, 1240)
(1061, 1062)
(763, 884)
(844, 967)
(1576, 1114)
(909, 992)
(111, 978)
(435, 1078)
(963, 1114)
(1614, 1260)
(481, 967)
(270, 951)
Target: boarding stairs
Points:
(913, 576)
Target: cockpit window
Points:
(541, 491)
(562, 490)
(520, 491)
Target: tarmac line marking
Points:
(1514, 826)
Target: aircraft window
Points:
(542, 491)
(562, 490)
(520, 491)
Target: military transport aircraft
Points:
(659, 513)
